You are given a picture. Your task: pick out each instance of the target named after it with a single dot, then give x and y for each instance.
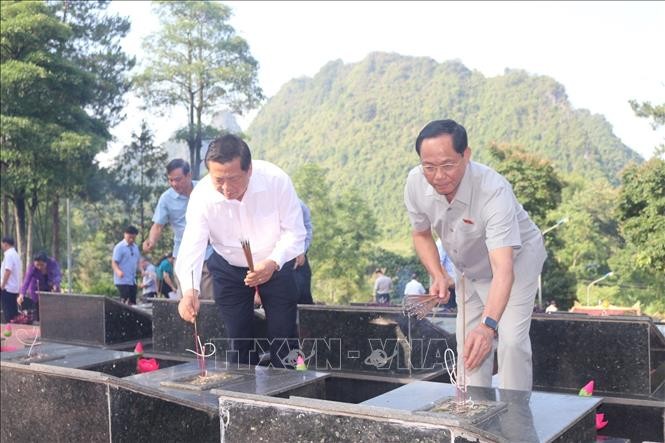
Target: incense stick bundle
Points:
(419, 306)
(250, 262)
(248, 254)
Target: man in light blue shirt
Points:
(172, 205)
(171, 209)
(124, 263)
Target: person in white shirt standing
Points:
(414, 287)
(244, 199)
(10, 272)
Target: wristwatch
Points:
(490, 323)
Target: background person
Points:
(10, 272)
(383, 286)
(166, 276)
(414, 287)
(241, 198)
(303, 272)
(148, 283)
(171, 209)
(43, 275)
(125, 261)
(490, 239)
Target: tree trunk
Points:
(55, 228)
(6, 217)
(28, 238)
(30, 218)
(19, 223)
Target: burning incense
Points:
(200, 355)
(250, 262)
(419, 306)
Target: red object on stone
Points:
(139, 348)
(147, 365)
(600, 421)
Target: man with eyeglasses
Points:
(171, 209)
(243, 199)
(494, 245)
(125, 261)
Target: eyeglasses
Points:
(447, 168)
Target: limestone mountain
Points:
(360, 121)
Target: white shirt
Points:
(414, 288)
(269, 216)
(13, 263)
(484, 215)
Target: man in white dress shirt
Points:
(256, 201)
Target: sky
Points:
(603, 53)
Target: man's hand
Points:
(263, 271)
(477, 345)
(148, 245)
(119, 273)
(189, 305)
(300, 260)
(19, 299)
(440, 287)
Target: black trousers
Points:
(9, 305)
(235, 303)
(127, 292)
(303, 276)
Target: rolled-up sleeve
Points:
(419, 220)
(502, 227)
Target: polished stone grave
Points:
(526, 416)
(117, 363)
(171, 335)
(47, 403)
(91, 319)
(624, 355)
(404, 414)
(374, 340)
(240, 378)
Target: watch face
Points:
(490, 322)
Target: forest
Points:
(345, 136)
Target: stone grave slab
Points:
(261, 380)
(374, 340)
(172, 335)
(117, 363)
(623, 355)
(46, 403)
(91, 319)
(514, 415)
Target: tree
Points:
(46, 133)
(197, 61)
(534, 180)
(94, 46)
(641, 214)
(55, 108)
(538, 188)
(138, 172)
(344, 229)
